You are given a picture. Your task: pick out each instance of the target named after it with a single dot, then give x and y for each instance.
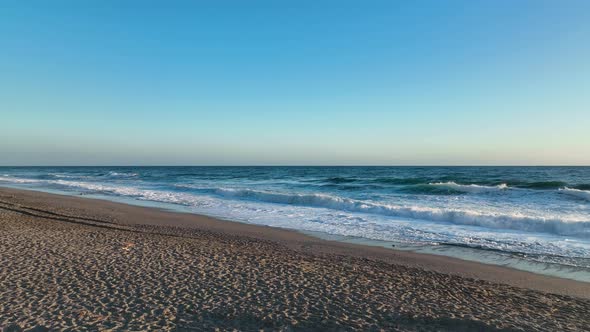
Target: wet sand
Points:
(76, 263)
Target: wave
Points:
(583, 186)
(545, 185)
(552, 225)
(469, 188)
(523, 250)
(448, 185)
(427, 189)
(507, 221)
(340, 180)
(8, 178)
(122, 174)
(541, 185)
(584, 194)
(349, 187)
(143, 194)
(62, 176)
(401, 181)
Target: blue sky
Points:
(294, 82)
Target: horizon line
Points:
(335, 165)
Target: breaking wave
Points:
(8, 178)
(122, 174)
(551, 224)
(469, 188)
(583, 194)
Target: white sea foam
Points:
(122, 174)
(584, 194)
(514, 221)
(64, 176)
(464, 216)
(8, 178)
(470, 188)
(155, 195)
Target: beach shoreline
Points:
(389, 274)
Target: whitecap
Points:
(583, 194)
(470, 188)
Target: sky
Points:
(295, 82)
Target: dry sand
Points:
(70, 263)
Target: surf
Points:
(583, 194)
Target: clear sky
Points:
(294, 82)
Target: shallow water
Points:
(537, 218)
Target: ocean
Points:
(531, 218)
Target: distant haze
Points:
(295, 83)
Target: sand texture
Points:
(74, 264)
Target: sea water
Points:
(532, 218)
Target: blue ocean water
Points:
(538, 214)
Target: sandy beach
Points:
(72, 263)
